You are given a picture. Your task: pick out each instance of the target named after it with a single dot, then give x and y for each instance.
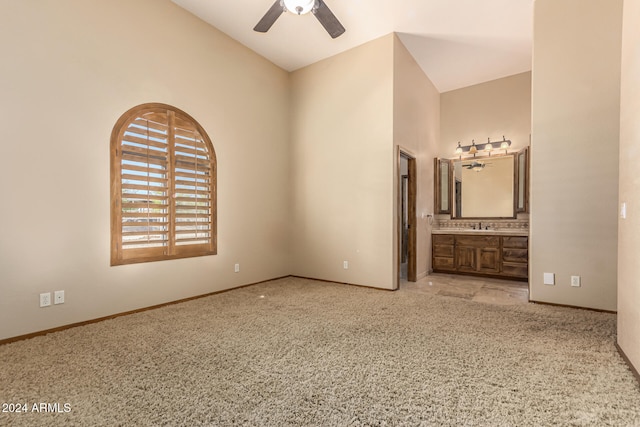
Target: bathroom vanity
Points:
(481, 252)
(482, 216)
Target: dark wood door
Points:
(489, 260)
(466, 258)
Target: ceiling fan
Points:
(475, 166)
(318, 7)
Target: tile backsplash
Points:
(519, 224)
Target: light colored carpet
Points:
(295, 352)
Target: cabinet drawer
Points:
(443, 250)
(442, 239)
(521, 242)
(478, 241)
(515, 270)
(515, 255)
(443, 263)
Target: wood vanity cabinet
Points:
(477, 254)
(498, 256)
(515, 256)
(442, 245)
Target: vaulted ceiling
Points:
(457, 43)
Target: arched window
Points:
(163, 186)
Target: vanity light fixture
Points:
(489, 147)
(473, 149)
(461, 150)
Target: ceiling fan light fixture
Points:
(299, 7)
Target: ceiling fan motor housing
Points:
(300, 7)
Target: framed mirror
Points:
(484, 187)
(522, 181)
(494, 186)
(442, 181)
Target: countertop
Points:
(472, 232)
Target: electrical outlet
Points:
(58, 297)
(575, 281)
(236, 268)
(45, 299)
(345, 265)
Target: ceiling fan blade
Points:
(328, 20)
(269, 18)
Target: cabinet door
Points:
(489, 260)
(466, 258)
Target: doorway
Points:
(406, 212)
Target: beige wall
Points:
(333, 189)
(350, 113)
(629, 228)
(342, 154)
(492, 109)
(416, 129)
(574, 162)
(70, 69)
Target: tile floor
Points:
(492, 291)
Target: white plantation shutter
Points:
(163, 186)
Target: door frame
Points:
(412, 218)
